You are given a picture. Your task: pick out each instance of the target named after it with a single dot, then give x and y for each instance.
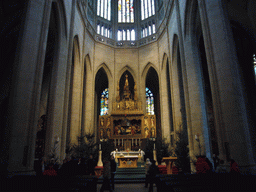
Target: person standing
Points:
(113, 170)
(153, 171)
(148, 163)
(91, 165)
(106, 176)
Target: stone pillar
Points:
(229, 104)
(25, 95)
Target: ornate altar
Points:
(127, 125)
(127, 162)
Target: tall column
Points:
(230, 110)
(25, 95)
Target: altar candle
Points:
(154, 146)
(136, 141)
(118, 142)
(99, 146)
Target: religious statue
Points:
(146, 121)
(152, 121)
(118, 96)
(108, 122)
(146, 133)
(127, 92)
(102, 122)
(108, 133)
(153, 132)
(101, 133)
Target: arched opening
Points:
(208, 97)
(152, 83)
(101, 96)
(246, 50)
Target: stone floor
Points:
(137, 187)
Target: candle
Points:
(154, 146)
(118, 141)
(99, 146)
(136, 141)
(196, 137)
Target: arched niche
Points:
(131, 82)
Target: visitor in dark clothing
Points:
(91, 165)
(113, 170)
(106, 176)
(152, 172)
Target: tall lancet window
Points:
(104, 102)
(104, 9)
(149, 102)
(125, 11)
(147, 8)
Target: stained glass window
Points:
(254, 64)
(104, 102)
(104, 9)
(149, 102)
(125, 11)
(147, 8)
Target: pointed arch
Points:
(76, 47)
(88, 62)
(63, 17)
(106, 69)
(146, 68)
(127, 68)
(190, 13)
(164, 60)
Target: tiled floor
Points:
(137, 187)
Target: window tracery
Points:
(104, 102)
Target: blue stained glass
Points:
(149, 102)
(104, 102)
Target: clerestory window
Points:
(147, 8)
(104, 9)
(149, 102)
(125, 11)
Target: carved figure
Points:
(108, 122)
(101, 133)
(153, 132)
(108, 133)
(102, 121)
(146, 133)
(152, 121)
(146, 121)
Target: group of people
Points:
(203, 165)
(70, 167)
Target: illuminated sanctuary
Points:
(128, 71)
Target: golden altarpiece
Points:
(127, 125)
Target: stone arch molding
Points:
(87, 61)
(76, 47)
(62, 16)
(106, 69)
(164, 60)
(146, 68)
(190, 13)
(127, 68)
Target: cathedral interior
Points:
(127, 71)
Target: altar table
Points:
(127, 161)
